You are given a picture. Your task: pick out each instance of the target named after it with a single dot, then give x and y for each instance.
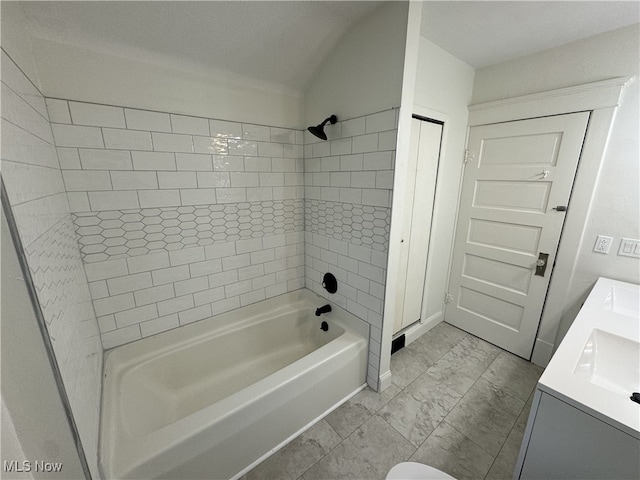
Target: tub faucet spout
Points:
(321, 310)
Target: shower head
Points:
(318, 130)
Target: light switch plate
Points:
(629, 248)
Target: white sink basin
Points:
(611, 362)
(625, 301)
(596, 367)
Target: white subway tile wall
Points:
(348, 183)
(222, 214)
(177, 217)
(36, 190)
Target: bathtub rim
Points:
(227, 322)
(290, 439)
(170, 436)
(354, 328)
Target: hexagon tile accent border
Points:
(357, 224)
(114, 234)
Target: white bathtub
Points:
(211, 399)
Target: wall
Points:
(11, 446)
(363, 74)
(34, 421)
(179, 218)
(16, 39)
(443, 87)
(76, 73)
(616, 201)
(72, 72)
(147, 184)
(31, 172)
(348, 185)
(349, 179)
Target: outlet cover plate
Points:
(603, 244)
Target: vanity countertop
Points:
(597, 365)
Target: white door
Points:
(517, 174)
(422, 171)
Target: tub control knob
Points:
(329, 283)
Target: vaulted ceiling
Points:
(277, 42)
(284, 43)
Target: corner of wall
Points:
(363, 73)
(16, 39)
(77, 73)
(38, 200)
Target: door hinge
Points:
(448, 298)
(468, 155)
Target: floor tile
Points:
(463, 400)
(505, 462)
(297, 456)
(374, 401)
(523, 418)
(452, 452)
(357, 410)
(369, 453)
(513, 374)
(418, 410)
(346, 418)
(486, 415)
(436, 342)
(406, 366)
(464, 363)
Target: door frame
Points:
(413, 332)
(601, 99)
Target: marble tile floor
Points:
(457, 403)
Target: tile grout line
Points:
(459, 400)
(454, 406)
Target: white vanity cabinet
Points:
(582, 423)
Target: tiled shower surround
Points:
(32, 176)
(348, 185)
(180, 218)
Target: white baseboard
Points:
(384, 381)
(411, 334)
(415, 331)
(542, 353)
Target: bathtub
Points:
(214, 398)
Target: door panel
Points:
(538, 150)
(520, 171)
(491, 308)
(509, 195)
(422, 171)
(504, 236)
(493, 272)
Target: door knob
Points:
(541, 264)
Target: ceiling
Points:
(280, 43)
(283, 43)
(486, 33)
